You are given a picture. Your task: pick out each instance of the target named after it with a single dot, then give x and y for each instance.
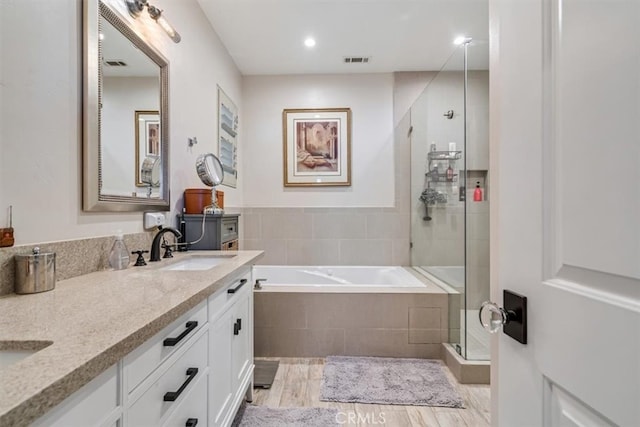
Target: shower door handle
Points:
(512, 318)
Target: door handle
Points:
(512, 318)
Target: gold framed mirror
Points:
(124, 78)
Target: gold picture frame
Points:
(148, 142)
(317, 147)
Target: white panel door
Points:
(565, 135)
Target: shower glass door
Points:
(449, 145)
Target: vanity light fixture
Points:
(462, 40)
(137, 6)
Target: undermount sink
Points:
(198, 262)
(14, 351)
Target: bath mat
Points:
(264, 373)
(389, 381)
(263, 416)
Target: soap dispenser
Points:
(477, 193)
(119, 255)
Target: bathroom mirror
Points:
(125, 116)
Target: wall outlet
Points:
(153, 219)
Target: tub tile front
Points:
(386, 343)
(279, 310)
(281, 342)
(424, 318)
(425, 336)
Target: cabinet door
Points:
(220, 379)
(94, 404)
(242, 343)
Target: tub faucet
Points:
(155, 246)
(257, 284)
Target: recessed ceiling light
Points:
(309, 42)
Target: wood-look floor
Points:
(297, 384)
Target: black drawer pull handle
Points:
(239, 322)
(171, 396)
(237, 288)
(230, 229)
(191, 422)
(170, 342)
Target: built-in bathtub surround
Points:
(350, 320)
(73, 257)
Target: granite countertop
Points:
(87, 323)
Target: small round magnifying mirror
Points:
(150, 172)
(211, 173)
(209, 169)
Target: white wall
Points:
(370, 97)
(40, 152)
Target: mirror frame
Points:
(92, 200)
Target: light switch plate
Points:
(153, 219)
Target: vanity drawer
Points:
(145, 359)
(177, 383)
(222, 299)
(193, 410)
(229, 229)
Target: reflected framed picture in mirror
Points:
(317, 147)
(147, 136)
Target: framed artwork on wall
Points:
(317, 147)
(147, 130)
(228, 138)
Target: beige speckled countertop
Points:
(93, 321)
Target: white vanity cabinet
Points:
(194, 372)
(230, 348)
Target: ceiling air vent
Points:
(116, 63)
(357, 59)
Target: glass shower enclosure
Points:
(449, 141)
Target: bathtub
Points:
(336, 278)
(311, 311)
(452, 275)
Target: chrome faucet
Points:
(155, 246)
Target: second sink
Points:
(198, 262)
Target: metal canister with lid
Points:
(35, 272)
